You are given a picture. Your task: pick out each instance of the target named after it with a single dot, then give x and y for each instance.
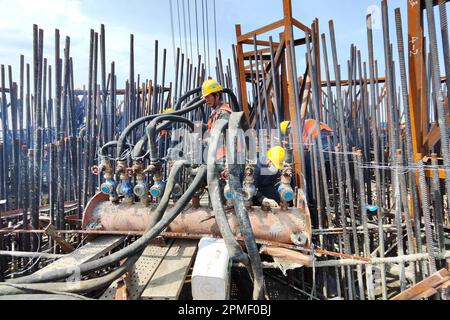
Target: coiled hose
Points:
(80, 287)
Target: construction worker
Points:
(309, 133)
(267, 178)
(285, 128)
(212, 94)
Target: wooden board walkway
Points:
(91, 251)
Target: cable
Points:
(173, 34)
(234, 249)
(203, 31)
(196, 26)
(245, 226)
(190, 30)
(215, 28)
(179, 25)
(80, 287)
(185, 32)
(207, 38)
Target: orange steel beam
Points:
(242, 78)
(423, 138)
(319, 73)
(289, 38)
(250, 54)
(262, 30)
(283, 59)
(300, 25)
(417, 75)
(259, 42)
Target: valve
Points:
(95, 170)
(108, 186)
(126, 189)
(227, 192)
(177, 190)
(285, 190)
(140, 189)
(286, 193)
(248, 191)
(157, 189)
(130, 172)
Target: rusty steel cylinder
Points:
(277, 225)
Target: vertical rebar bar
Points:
(436, 79)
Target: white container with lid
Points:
(211, 274)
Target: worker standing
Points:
(212, 94)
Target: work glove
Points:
(269, 203)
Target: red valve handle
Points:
(95, 170)
(130, 172)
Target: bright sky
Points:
(150, 20)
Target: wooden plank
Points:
(425, 287)
(168, 281)
(88, 252)
(142, 272)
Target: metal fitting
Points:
(157, 189)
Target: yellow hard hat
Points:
(168, 110)
(277, 155)
(284, 126)
(209, 87)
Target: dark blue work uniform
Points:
(266, 184)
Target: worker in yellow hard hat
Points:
(285, 128)
(267, 178)
(212, 94)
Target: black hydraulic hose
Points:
(138, 150)
(132, 249)
(151, 132)
(111, 144)
(234, 249)
(58, 297)
(158, 213)
(245, 226)
(192, 105)
(186, 96)
(61, 287)
(234, 101)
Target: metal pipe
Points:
(376, 261)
